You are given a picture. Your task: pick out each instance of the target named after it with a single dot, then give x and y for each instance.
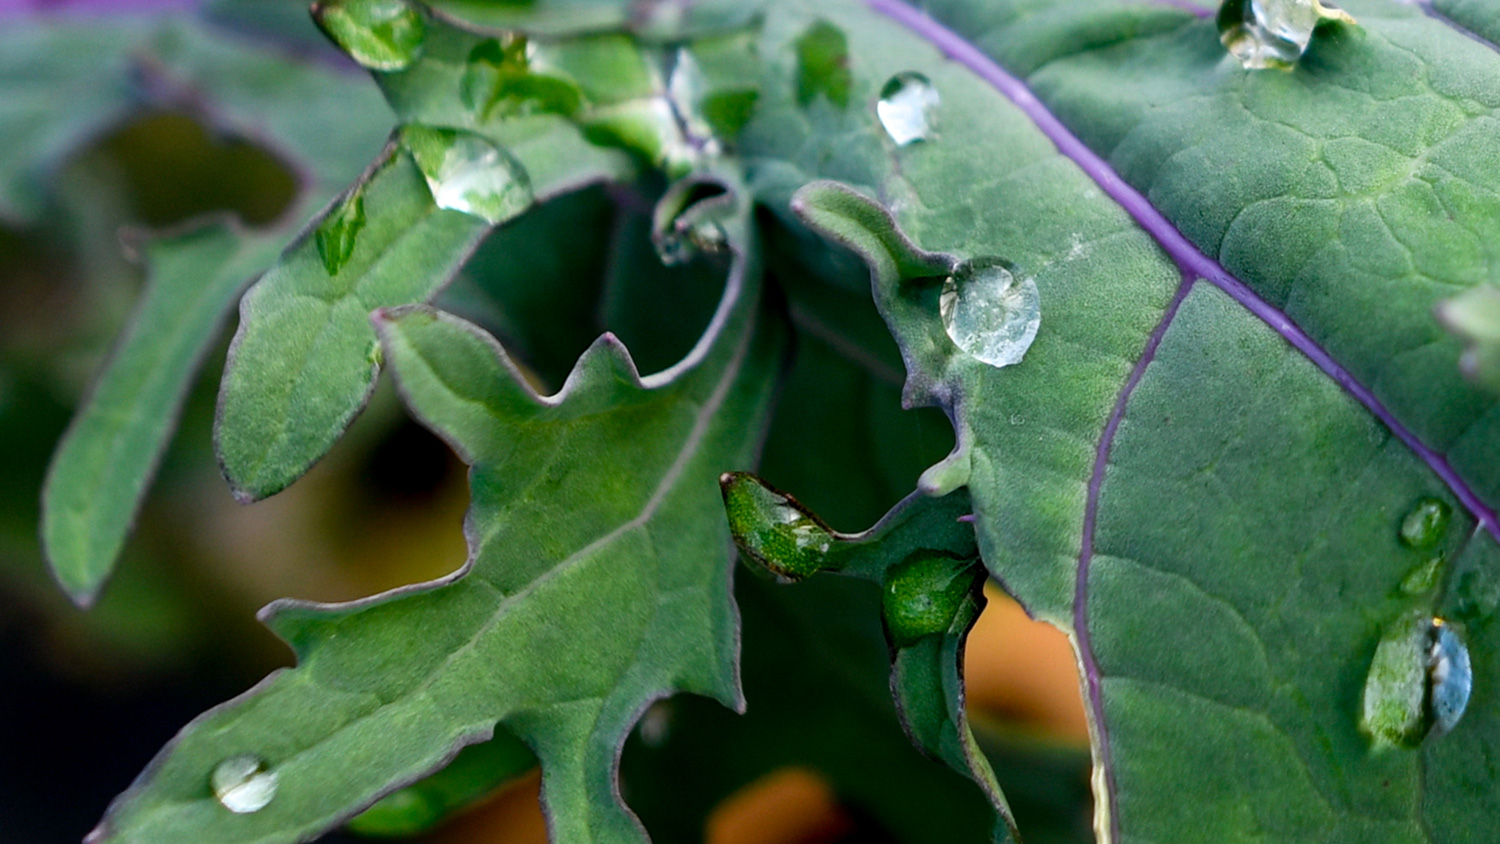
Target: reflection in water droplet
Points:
(773, 529)
(498, 81)
(467, 173)
(922, 595)
(823, 65)
(1419, 681)
(1272, 33)
(905, 107)
(339, 230)
(1426, 523)
(243, 785)
(379, 34)
(988, 313)
(1451, 675)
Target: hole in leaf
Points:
(172, 169)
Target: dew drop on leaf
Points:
(337, 233)
(1272, 33)
(905, 109)
(922, 595)
(243, 785)
(988, 313)
(1419, 682)
(1425, 524)
(467, 173)
(1423, 577)
(773, 529)
(379, 34)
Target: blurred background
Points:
(120, 121)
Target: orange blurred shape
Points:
(1023, 671)
(786, 806)
(514, 816)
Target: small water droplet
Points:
(467, 173)
(1419, 682)
(243, 785)
(1423, 577)
(339, 230)
(1425, 524)
(923, 593)
(773, 529)
(379, 34)
(1272, 33)
(655, 726)
(905, 109)
(498, 81)
(988, 313)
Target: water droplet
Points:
(655, 726)
(1451, 675)
(648, 127)
(243, 785)
(923, 593)
(1272, 33)
(905, 107)
(379, 34)
(339, 230)
(988, 313)
(1419, 681)
(498, 82)
(467, 173)
(1423, 577)
(1426, 523)
(823, 66)
(773, 529)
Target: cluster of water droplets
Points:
(1420, 678)
(921, 596)
(243, 785)
(773, 529)
(1272, 33)
(988, 313)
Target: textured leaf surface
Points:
(597, 582)
(104, 463)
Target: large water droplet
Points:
(1419, 681)
(922, 595)
(1425, 524)
(906, 107)
(379, 34)
(337, 233)
(467, 173)
(773, 529)
(988, 313)
(1272, 33)
(243, 785)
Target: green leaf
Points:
(100, 470)
(594, 586)
(302, 365)
(1205, 481)
(476, 772)
(932, 591)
